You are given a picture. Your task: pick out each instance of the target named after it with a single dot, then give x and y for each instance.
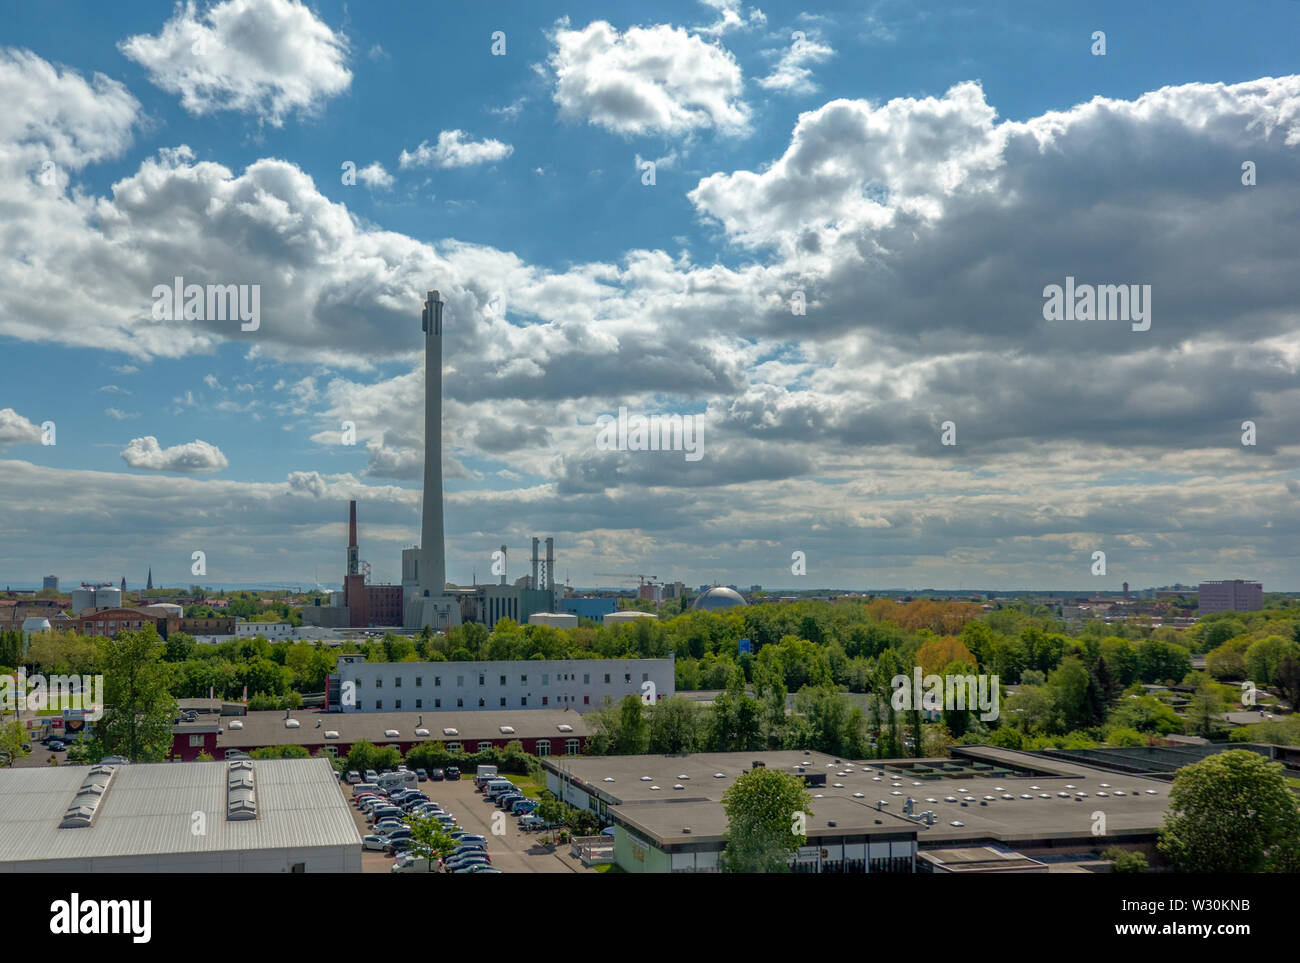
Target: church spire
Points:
(149, 585)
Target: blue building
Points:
(587, 608)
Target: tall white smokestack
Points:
(433, 574)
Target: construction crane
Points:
(641, 579)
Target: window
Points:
(356, 683)
(419, 681)
(544, 700)
(503, 702)
(503, 680)
(460, 703)
(586, 679)
(523, 680)
(398, 682)
(379, 683)
(480, 678)
(453, 747)
(543, 747)
(437, 680)
(299, 868)
(460, 682)
(484, 746)
(196, 740)
(586, 700)
(397, 704)
(627, 677)
(437, 703)
(645, 676)
(606, 678)
(330, 750)
(523, 700)
(571, 746)
(546, 679)
(379, 704)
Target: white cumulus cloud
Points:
(657, 79)
(455, 149)
(191, 457)
(265, 57)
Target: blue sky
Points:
(923, 215)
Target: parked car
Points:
(372, 776)
(436, 775)
(521, 806)
(396, 846)
(379, 813)
(375, 841)
(470, 848)
(354, 777)
(530, 821)
(451, 772)
(107, 760)
(387, 826)
(421, 775)
(57, 746)
(453, 863)
(402, 832)
(508, 799)
(482, 868)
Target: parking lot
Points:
(515, 852)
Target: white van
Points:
(398, 780)
(360, 787)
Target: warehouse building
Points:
(872, 816)
(542, 732)
(267, 816)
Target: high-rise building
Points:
(1234, 595)
(50, 582)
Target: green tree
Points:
(138, 708)
(13, 742)
(1232, 813)
(762, 828)
(674, 726)
(633, 732)
(1125, 860)
(429, 839)
(1204, 708)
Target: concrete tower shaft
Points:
(433, 573)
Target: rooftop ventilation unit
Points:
(449, 731)
(291, 723)
(81, 813)
(564, 727)
(391, 733)
(331, 733)
(421, 732)
(236, 724)
(507, 730)
(241, 796)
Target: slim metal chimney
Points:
(503, 565)
(550, 564)
(535, 560)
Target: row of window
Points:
(523, 680)
(564, 700)
(543, 748)
(126, 624)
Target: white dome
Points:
(718, 597)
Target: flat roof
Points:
(266, 728)
(853, 790)
(149, 809)
(981, 859)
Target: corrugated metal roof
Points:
(150, 810)
(266, 728)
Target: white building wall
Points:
(577, 684)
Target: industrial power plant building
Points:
(577, 684)
(256, 816)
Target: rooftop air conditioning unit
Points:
(421, 732)
(449, 731)
(236, 724)
(331, 734)
(291, 723)
(391, 733)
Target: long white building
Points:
(577, 684)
